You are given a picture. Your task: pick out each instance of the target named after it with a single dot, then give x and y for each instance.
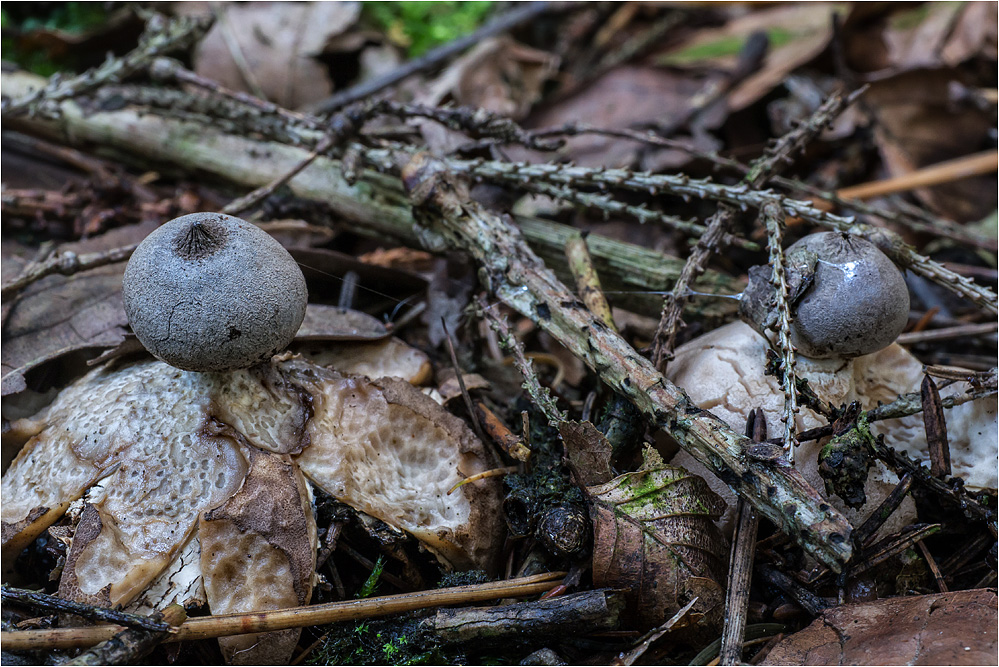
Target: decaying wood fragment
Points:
(519, 279)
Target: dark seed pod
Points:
(210, 292)
(564, 530)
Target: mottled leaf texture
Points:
(654, 535)
(588, 452)
(957, 628)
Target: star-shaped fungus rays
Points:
(205, 476)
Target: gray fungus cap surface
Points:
(212, 292)
(857, 304)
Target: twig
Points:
(772, 161)
(740, 569)
(773, 220)
(887, 507)
(810, 602)
(474, 121)
(434, 57)
(520, 280)
(282, 619)
(253, 198)
(539, 394)
(770, 164)
(459, 376)
(914, 218)
(607, 204)
(376, 206)
(947, 333)
(587, 280)
(539, 620)
(632, 656)
(167, 70)
(673, 304)
(66, 263)
(740, 196)
(985, 162)
(889, 547)
(161, 36)
(89, 612)
(509, 442)
(953, 491)
(932, 563)
(936, 428)
(911, 404)
(128, 646)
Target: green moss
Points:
(728, 45)
(420, 26)
(380, 642)
(370, 586)
(74, 18)
(469, 578)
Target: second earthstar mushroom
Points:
(850, 303)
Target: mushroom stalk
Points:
(450, 219)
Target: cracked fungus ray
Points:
(176, 448)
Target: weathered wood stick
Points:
(509, 269)
(375, 202)
(205, 627)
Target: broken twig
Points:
(450, 219)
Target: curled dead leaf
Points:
(654, 534)
(250, 544)
(268, 48)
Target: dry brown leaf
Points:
(974, 35)
(956, 628)
(62, 314)
(927, 35)
(654, 535)
(277, 41)
(917, 127)
(620, 99)
(915, 38)
(798, 33)
(588, 452)
(258, 552)
(498, 75)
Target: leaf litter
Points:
(651, 526)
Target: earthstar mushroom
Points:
(847, 298)
(211, 292)
(849, 303)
